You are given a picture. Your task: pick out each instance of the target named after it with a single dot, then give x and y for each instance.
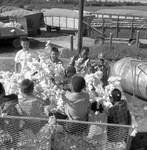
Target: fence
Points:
(23, 133)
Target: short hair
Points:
(86, 49)
(27, 86)
(2, 89)
(54, 49)
(70, 69)
(78, 83)
(116, 95)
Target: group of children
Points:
(76, 99)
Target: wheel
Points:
(48, 28)
(38, 31)
(16, 43)
(57, 29)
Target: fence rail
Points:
(29, 133)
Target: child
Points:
(98, 132)
(82, 62)
(54, 56)
(22, 56)
(77, 105)
(29, 105)
(118, 114)
(70, 71)
(105, 68)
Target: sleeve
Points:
(17, 57)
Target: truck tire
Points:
(48, 28)
(16, 43)
(58, 29)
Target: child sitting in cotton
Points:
(29, 104)
(77, 104)
(118, 114)
(70, 71)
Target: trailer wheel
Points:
(16, 43)
(57, 29)
(48, 28)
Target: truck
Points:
(31, 21)
(11, 32)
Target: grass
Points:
(7, 65)
(116, 52)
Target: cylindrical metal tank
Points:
(133, 73)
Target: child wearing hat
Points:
(77, 104)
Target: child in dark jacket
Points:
(118, 114)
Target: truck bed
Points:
(11, 32)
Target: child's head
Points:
(78, 83)
(54, 53)
(101, 58)
(25, 43)
(84, 52)
(116, 95)
(2, 90)
(70, 71)
(27, 87)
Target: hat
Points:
(78, 83)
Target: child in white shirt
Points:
(22, 56)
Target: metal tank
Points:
(133, 73)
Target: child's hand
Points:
(47, 109)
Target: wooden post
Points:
(103, 26)
(117, 27)
(80, 25)
(111, 35)
(137, 38)
(132, 29)
(71, 42)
